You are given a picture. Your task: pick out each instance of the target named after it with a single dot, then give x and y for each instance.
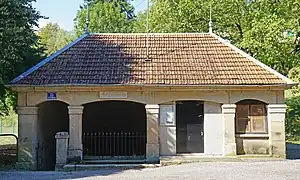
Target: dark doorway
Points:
(53, 117)
(189, 127)
(114, 130)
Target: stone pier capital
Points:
(27, 110)
(75, 109)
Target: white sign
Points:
(113, 95)
(167, 114)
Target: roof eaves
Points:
(158, 85)
(48, 59)
(287, 80)
(139, 34)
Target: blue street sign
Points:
(51, 95)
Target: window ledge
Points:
(252, 135)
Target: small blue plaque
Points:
(51, 95)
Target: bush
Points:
(292, 123)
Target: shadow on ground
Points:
(50, 175)
(292, 151)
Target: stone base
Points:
(30, 166)
(93, 167)
(59, 167)
(152, 156)
(74, 156)
(74, 159)
(278, 149)
(230, 149)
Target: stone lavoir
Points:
(111, 98)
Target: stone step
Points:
(115, 161)
(83, 167)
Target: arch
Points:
(36, 98)
(51, 101)
(251, 116)
(112, 100)
(251, 101)
(53, 117)
(120, 125)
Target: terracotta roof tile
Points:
(175, 59)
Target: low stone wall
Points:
(252, 145)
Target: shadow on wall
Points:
(292, 151)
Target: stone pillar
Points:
(228, 114)
(61, 149)
(27, 138)
(152, 147)
(75, 129)
(276, 128)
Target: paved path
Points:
(280, 170)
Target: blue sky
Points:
(63, 12)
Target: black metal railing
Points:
(8, 150)
(114, 145)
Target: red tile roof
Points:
(174, 59)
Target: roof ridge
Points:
(132, 34)
(257, 62)
(48, 59)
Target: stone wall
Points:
(219, 116)
(252, 145)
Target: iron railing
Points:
(114, 145)
(8, 149)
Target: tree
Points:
(106, 16)
(53, 38)
(18, 41)
(294, 74)
(257, 27)
(292, 123)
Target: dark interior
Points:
(189, 127)
(53, 117)
(114, 128)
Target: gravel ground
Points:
(272, 170)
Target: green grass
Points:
(293, 142)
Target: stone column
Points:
(61, 149)
(152, 147)
(27, 137)
(276, 128)
(228, 114)
(75, 130)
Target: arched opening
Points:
(189, 127)
(251, 117)
(114, 130)
(53, 117)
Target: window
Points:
(251, 117)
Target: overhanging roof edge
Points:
(48, 59)
(257, 62)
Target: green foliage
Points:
(292, 121)
(294, 74)
(9, 120)
(257, 27)
(106, 16)
(18, 41)
(53, 38)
